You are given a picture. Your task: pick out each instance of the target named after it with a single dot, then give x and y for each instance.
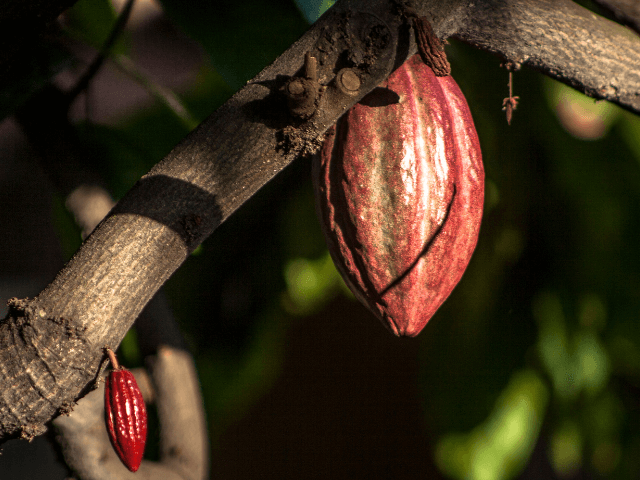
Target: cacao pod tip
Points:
(404, 328)
(400, 331)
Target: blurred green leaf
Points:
(576, 361)
(312, 9)
(310, 284)
(129, 350)
(499, 447)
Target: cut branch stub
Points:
(302, 92)
(348, 81)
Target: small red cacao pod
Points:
(399, 192)
(126, 417)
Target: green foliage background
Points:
(531, 369)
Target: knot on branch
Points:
(46, 356)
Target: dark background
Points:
(530, 370)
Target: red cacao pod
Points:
(126, 416)
(399, 192)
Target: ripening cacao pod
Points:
(399, 191)
(126, 415)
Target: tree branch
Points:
(563, 40)
(97, 296)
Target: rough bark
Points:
(51, 346)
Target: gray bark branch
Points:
(563, 40)
(51, 346)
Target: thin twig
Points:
(117, 29)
